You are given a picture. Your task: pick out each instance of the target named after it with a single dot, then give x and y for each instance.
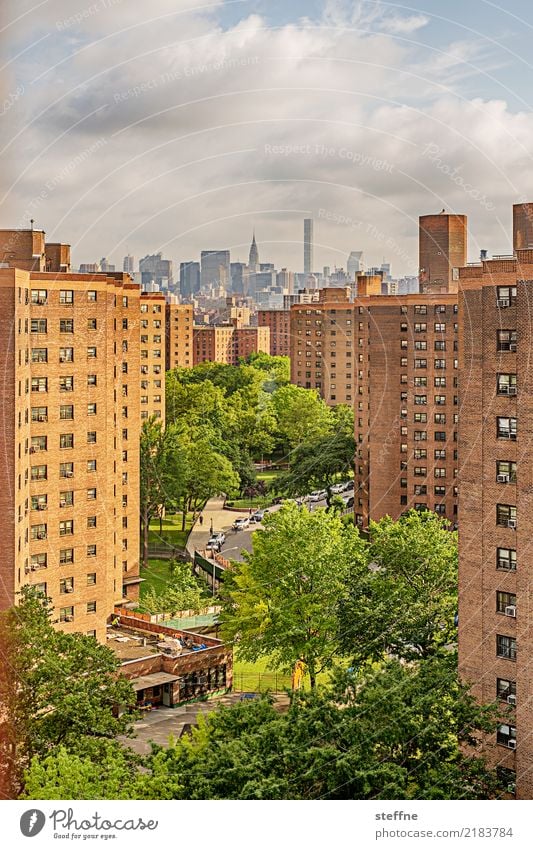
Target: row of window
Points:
(66, 325)
(66, 355)
(422, 309)
(66, 296)
(421, 327)
(66, 499)
(438, 418)
(439, 472)
(423, 363)
(421, 400)
(66, 470)
(422, 345)
(66, 383)
(66, 556)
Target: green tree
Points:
(209, 473)
(282, 601)
(182, 592)
(317, 464)
(405, 602)
(62, 687)
(301, 415)
(162, 474)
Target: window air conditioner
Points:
(512, 390)
(511, 523)
(69, 618)
(502, 478)
(511, 699)
(503, 389)
(512, 347)
(510, 610)
(511, 744)
(511, 788)
(503, 302)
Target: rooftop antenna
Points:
(32, 222)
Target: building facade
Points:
(179, 350)
(495, 504)
(69, 350)
(279, 323)
(225, 343)
(152, 352)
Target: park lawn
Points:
(156, 576)
(268, 476)
(172, 533)
(257, 502)
(258, 677)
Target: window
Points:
(506, 296)
(505, 603)
(506, 559)
(420, 363)
(91, 465)
(506, 515)
(66, 355)
(505, 647)
(66, 296)
(91, 551)
(420, 435)
(66, 440)
(66, 499)
(91, 493)
(439, 382)
(66, 555)
(420, 471)
(506, 428)
(421, 399)
(38, 473)
(505, 471)
(440, 364)
(440, 472)
(504, 688)
(506, 736)
(91, 380)
(440, 509)
(420, 453)
(66, 470)
(39, 384)
(440, 327)
(439, 454)
(66, 383)
(38, 325)
(38, 561)
(91, 437)
(91, 324)
(39, 355)
(420, 381)
(66, 528)
(91, 579)
(66, 412)
(440, 436)
(440, 400)
(439, 491)
(39, 502)
(39, 297)
(420, 489)
(66, 325)
(440, 308)
(421, 309)
(419, 328)
(506, 340)
(440, 345)
(439, 418)
(38, 531)
(66, 614)
(91, 296)
(38, 443)
(420, 345)
(506, 384)
(91, 607)
(39, 414)
(91, 353)
(91, 409)
(91, 521)
(66, 585)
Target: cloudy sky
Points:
(179, 125)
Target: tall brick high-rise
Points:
(442, 250)
(496, 504)
(69, 354)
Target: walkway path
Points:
(215, 516)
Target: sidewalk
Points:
(222, 520)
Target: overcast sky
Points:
(179, 125)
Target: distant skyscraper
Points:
(355, 264)
(253, 260)
(128, 264)
(308, 245)
(189, 278)
(105, 265)
(239, 278)
(215, 269)
(154, 268)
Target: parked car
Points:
(241, 524)
(259, 515)
(349, 485)
(349, 501)
(318, 495)
(216, 540)
(337, 488)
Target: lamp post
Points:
(211, 531)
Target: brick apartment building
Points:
(496, 501)
(279, 322)
(406, 410)
(322, 346)
(179, 350)
(69, 353)
(228, 343)
(152, 352)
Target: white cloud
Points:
(207, 130)
(404, 25)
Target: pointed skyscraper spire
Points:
(253, 260)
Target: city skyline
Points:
(197, 150)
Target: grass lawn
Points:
(258, 501)
(258, 677)
(172, 532)
(268, 476)
(156, 576)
